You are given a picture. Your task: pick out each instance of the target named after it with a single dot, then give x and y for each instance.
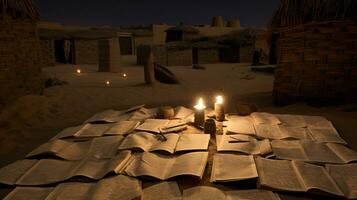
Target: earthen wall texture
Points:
(86, 51)
(48, 52)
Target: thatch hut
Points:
(316, 50)
(20, 53)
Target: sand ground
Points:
(33, 119)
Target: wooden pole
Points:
(149, 69)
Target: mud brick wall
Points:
(317, 62)
(159, 51)
(179, 57)
(208, 55)
(246, 54)
(109, 54)
(86, 51)
(20, 59)
(48, 52)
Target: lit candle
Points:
(219, 109)
(125, 75)
(199, 113)
(79, 71)
(107, 83)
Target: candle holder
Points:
(210, 127)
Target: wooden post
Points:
(149, 69)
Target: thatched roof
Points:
(19, 8)
(295, 12)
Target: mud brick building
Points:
(20, 52)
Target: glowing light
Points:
(79, 71)
(200, 105)
(107, 83)
(125, 75)
(219, 100)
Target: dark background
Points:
(255, 13)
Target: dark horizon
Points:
(253, 13)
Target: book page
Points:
(269, 170)
(29, 193)
(168, 145)
(12, 172)
(51, 147)
(316, 177)
(203, 193)
(230, 167)
(316, 121)
(182, 112)
(251, 195)
(104, 147)
(346, 178)
(326, 135)
(346, 154)
(237, 143)
(68, 132)
(71, 191)
(122, 128)
(264, 118)
(48, 171)
(74, 151)
(107, 116)
(191, 142)
(117, 187)
(319, 152)
(150, 164)
(294, 133)
(138, 140)
(269, 131)
(193, 164)
(93, 130)
(162, 191)
(264, 147)
(240, 125)
(143, 114)
(292, 120)
(289, 150)
(152, 125)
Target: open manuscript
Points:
(174, 142)
(100, 148)
(116, 187)
(313, 152)
(111, 116)
(212, 193)
(242, 143)
(299, 176)
(162, 126)
(163, 167)
(46, 171)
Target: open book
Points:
(46, 171)
(230, 167)
(100, 147)
(174, 142)
(122, 128)
(163, 167)
(84, 131)
(111, 116)
(296, 176)
(242, 143)
(161, 125)
(162, 191)
(240, 125)
(143, 114)
(303, 121)
(212, 193)
(183, 113)
(264, 118)
(116, 187)
(345, 177)
(313, 152)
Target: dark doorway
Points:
(229, 54)
(126, 45)
(64, 51)
(195, 56)
(174, 36)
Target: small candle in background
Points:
(79, 71)
(107, 83)
(199, 113)
(219, 108)
(124, 75)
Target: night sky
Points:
(253, 13)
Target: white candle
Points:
(125, 75)
(199, 113)
(107, 83)
(79, 71)
(219, 108)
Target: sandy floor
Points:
(31, 120)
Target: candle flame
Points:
(125, 75)
(200, 105)
(219, 99)
(79, 71)
(107, 82)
